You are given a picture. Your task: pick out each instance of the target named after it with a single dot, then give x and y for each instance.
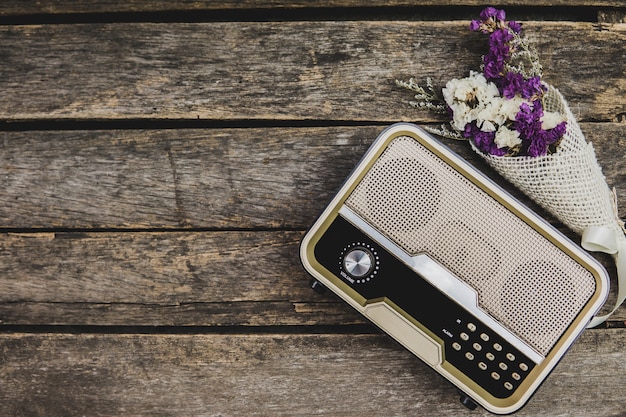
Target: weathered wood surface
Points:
(205, 178)
(163, 279)
(273, 375)
(95, 6)
(279, 70)
(149, 261)
(202, 178)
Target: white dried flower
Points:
(551, 119)
(487, 126)
(490, 112)
(510, 107)
(506, 137)
(471, 90)
(462, 115)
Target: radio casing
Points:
(454, 268)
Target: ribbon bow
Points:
(612, 241)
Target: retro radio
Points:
(454, 268)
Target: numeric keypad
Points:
(485, 357)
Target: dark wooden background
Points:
(161, 160)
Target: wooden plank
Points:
(96, 6)
(274, 374)
(160, 279)
(202, 178)
(324, 310)
(231, 178)
(144, 268)
(163, 279)
(279, 70)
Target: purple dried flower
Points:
(493, 69)
(515, 26)
(498, 52)
(512, 84)
(499, 37)
(502, 47)
(540, 143)
(533, 87)
(528, 119)
(535, 140)
(490, 19)
(553, 135)
(538, 146)
(559, 130)
(490, 12)
(484, 141)
(544, 138)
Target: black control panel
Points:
(470, 346)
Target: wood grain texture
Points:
(154, 270)
(279, 70)
(277, 375)
(161, 279)
(231, 178)
(144, 268)
(203, 178)
(164, 279)
(97, 6)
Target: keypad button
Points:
(486, 356)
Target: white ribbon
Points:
(612, 241)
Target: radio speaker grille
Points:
(425, 206)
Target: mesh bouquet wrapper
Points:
(525, 130)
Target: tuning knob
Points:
(358, 262)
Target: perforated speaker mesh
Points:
(425, 206)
